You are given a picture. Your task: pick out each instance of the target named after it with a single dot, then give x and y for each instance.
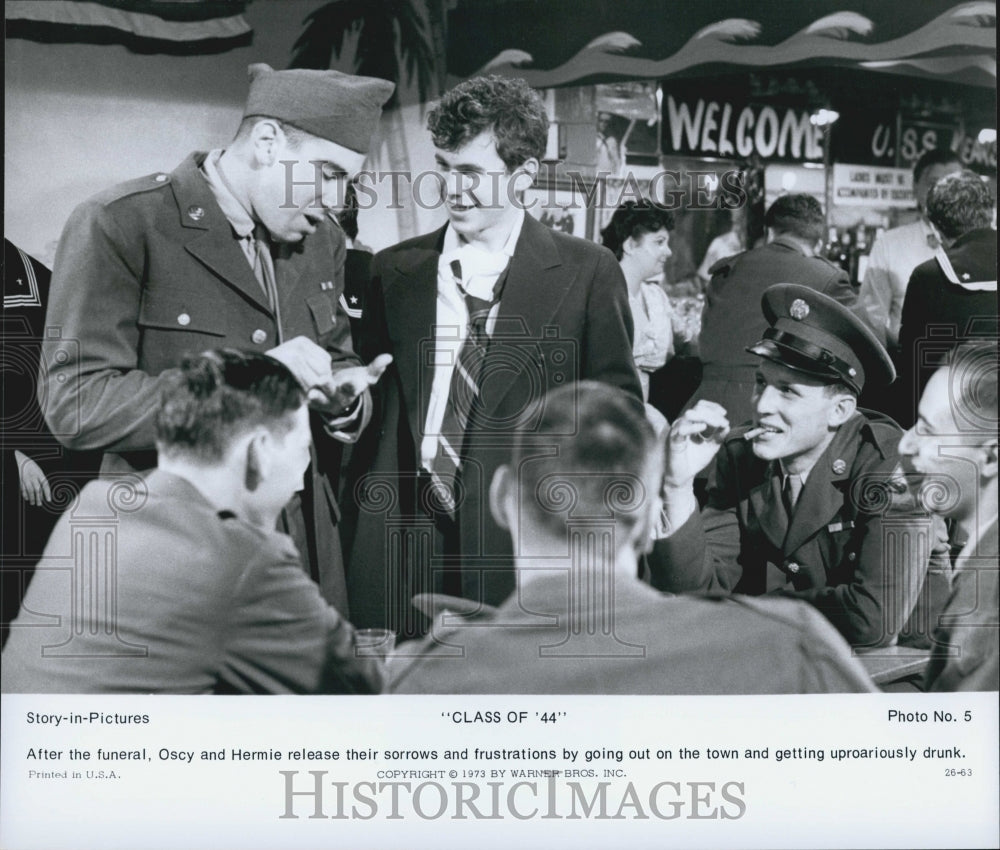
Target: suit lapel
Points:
(765, 500)
(409, 287)
(531, 299)
(211, 239)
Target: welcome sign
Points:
(724, 128)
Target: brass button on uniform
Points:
(259, 336)
(793, 567)
(184, 319)
(196, 213)
(160, 178)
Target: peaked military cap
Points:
(341, 108)
(813, 334)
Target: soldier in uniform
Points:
(799, 498)
(203, 595)
(233, 248)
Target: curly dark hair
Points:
(508, 108)
(959, 203)
(634, 218)
(799, 215)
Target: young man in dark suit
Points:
(482, 317)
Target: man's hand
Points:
(34, 485)
(308, 362)
(695, 438)
(337, 394)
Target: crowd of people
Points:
(505, 470)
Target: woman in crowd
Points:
(639, 236)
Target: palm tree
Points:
(393, 40)
(397, 40)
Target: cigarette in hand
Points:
(711, 432)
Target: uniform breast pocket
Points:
(841, 545)
(172, 324)
(323, 309)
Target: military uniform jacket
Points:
(199, 601)
(833, 553)
(568, 638)
(148, 272)
(563, 316)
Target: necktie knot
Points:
(479, 308)
(791, 491)
(263, 264)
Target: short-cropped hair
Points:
(509, 109)
(973, 386)
(216, 396)
(633, 219)
(588, 457)
(932, 157)
(799, 215)
(293, 135)
(960, 202)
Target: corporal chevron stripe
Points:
(168, 26)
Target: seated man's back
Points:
(176, 582)
(660, 645)
(579, 498)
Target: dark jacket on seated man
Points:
(801, 503)
(659, 644)
(176, 581)
(833, 552)
(195, 600)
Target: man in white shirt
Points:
(482, 318)
(897, 252)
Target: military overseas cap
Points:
(813, 334)
(341, 108)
